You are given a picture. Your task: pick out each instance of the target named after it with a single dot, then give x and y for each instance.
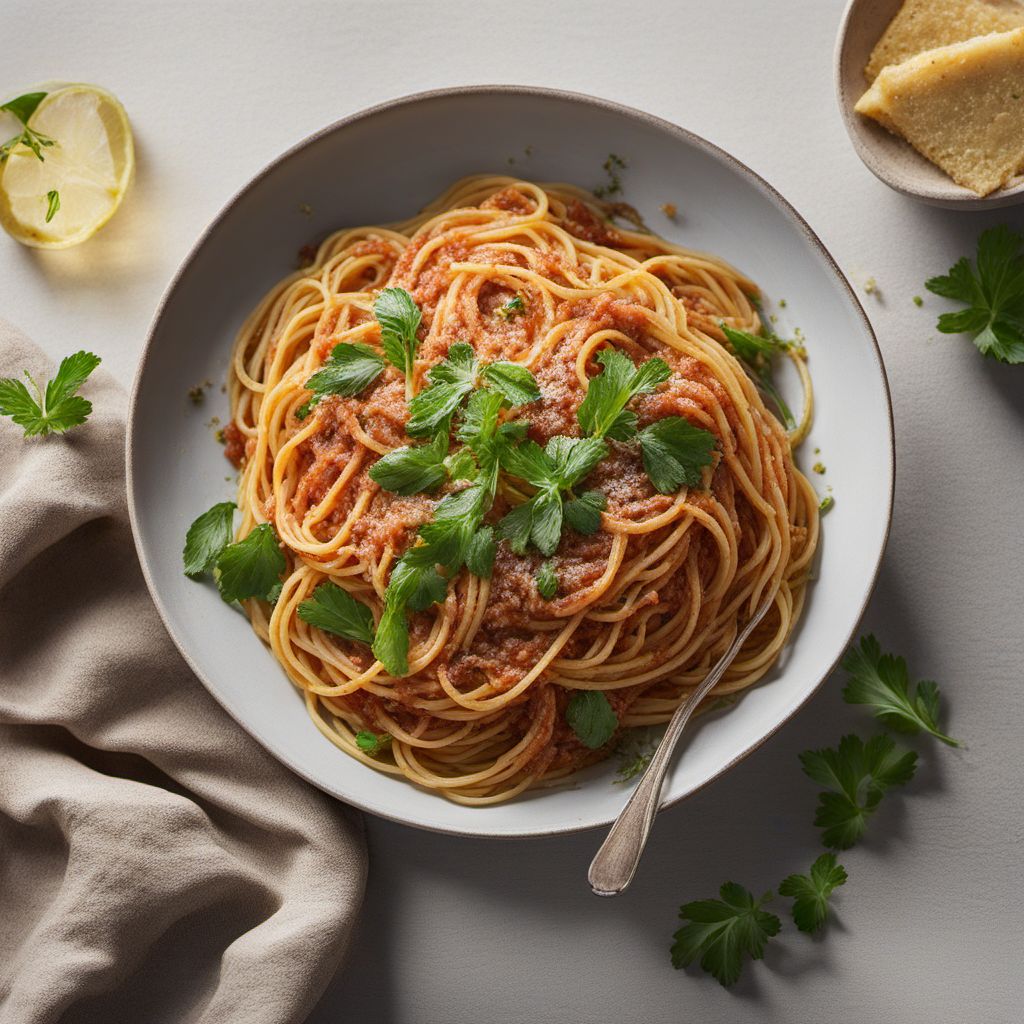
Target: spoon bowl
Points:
(891, 159)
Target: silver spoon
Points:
(615, 863)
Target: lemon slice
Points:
(90, 166)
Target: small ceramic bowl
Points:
(889, 158)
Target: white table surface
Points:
(929, 926)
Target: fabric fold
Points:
(156, 864)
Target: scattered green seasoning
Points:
(819, 468)
(513, 308)
(723, 933)
(992, 291)
(52, 204)
(613, 166)
(918, 301)
(58, 407)
(826, 503)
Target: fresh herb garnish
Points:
(23, 107)
(757, 351)
(583, 514)
(335, 610)
(547, 580)
(557, 467)
(58, 408)
(480, 553)
(351, 368)
(251, 567)
(591, 717)
(826, 503)
(993, 292)
(514, 307)
(675, 452)
(399, 318)
(207, 537)
(52, 204)
(857, 775)
(881, 681)
(515, 382)
(455, 378)
(415, 585)
(603, 413)
(723, 932)
(371, 743)
(413, 469)
(811, 893)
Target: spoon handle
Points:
(615, 863)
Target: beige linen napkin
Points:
(156, 865)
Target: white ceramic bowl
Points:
(382, 165)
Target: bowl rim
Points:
(949, 197)
(541, 92)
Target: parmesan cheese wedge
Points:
(961, 106)
(925, 24)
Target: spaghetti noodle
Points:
(645, 605)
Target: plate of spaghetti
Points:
(515, 448)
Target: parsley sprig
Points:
(881, 681)
(350, 369)
(57, 408)
(811, 892)
(399, 318)
(993, 292)
(856, 774)
(336, 611)
(23, 107)
(552, 470)
(251, 567)
(723, 932)
(756, 352)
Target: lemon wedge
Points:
(89, 166)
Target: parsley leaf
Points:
(675, 452)
(411, 470)
(251, 567)
(450, 382)
(881, 681)
(351, 368)
(207, 537)
(515, 383)
(993, 292)
(583, 514)
(370, 743)
(547, 580)
(722, 932)
(603, 413)
(558, 466)
(811, 893)
(481, 552)
(52, 204)
(415, 585)
(857, 775)
(757, 352)
(591, 717)
(59, 408)
(399, 318)
(335, 610)
(23, 107)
